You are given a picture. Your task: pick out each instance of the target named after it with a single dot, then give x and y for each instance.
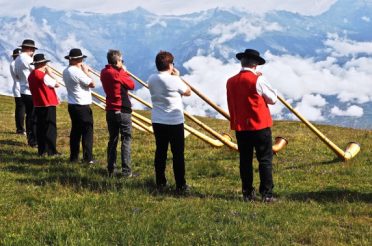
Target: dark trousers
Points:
(173, 134)
(81, 128)
(46, 130)
(30, 119)
(260, 141)
(19, 114)
(118, 122)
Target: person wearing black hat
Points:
(19, 105)
(42, 83)
(248, 96)
(78, 84)
(22, 70)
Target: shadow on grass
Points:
(315, 164)
(12, 143)
(332, 196)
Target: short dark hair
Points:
(248, 62)
(163, 60)
(113, 56)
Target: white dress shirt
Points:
(16, 86)
(77, 82)
(263, 88)
(166, 95)
(22, 70)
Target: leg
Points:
(40, 113)
(87, 133)
(75, 133)
(264, 154)
(30, 122)
(126, 139)
(245, 147)
(162, 139)
(51, 131)
(113, 129)
(177, 142)
(20, 111)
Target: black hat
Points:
(39, 58)
(28, 43)
(16, 52)
(252, 54)
(75, 54)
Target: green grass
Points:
(48, 201)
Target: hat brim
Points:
(75, 57)
(28, 46)
(259, 59)
(38, 62)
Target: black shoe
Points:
(269, 199)
(161, 188)
(21, 132)
(129, 175)
(183, 189)
(249, 197)
(55, 154)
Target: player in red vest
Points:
(42, 83)
(248, 96)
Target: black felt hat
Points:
(251, 54)
(39, 58)
(75, 54)
(16, 52)
(28, 43)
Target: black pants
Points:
(19, 113)
(81, 128)
(260, 141)
(118, 122)
(46, 130)
(173, 134)
(30, 119)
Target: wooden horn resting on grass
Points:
(352, 149)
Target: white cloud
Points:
(165, 7)
(354, 111)
(338, 46)
(366, 18)
(249, 27)
(311, 107)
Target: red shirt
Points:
(116, 83)
(42, 95)
(248, 110)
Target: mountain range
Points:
(320, 63)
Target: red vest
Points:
(42, 95)
(248, 110)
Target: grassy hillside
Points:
(48, 201)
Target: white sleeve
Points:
(265, 90)
(182, 87)
(83, 78)
(49, 81)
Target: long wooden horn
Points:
(352, 148)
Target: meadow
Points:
(49, 201)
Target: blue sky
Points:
(176, 7)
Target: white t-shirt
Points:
(23, 69)
(77, 82)
(16, 86)
(166, 95)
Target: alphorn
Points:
(351, 150)
(135, 122)
(219, 137)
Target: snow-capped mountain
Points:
(321, 63)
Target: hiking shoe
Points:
(269, 199)
(130, 175)
(183, 189)
(249, 197)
